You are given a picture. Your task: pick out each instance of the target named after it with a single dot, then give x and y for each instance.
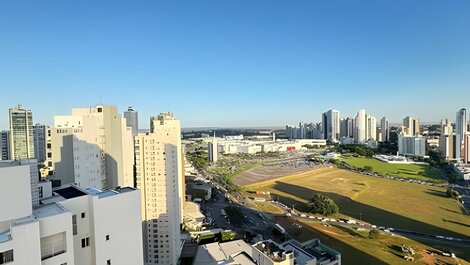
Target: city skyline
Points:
(272, 64)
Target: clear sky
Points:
(236, 63)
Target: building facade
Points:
(160, 180)
(331, 125)
(132, 120)
(21, 133)
(40, 137)
(411, 145)
(461, 129)
(360, 129)
(4, 145)
(411, 126)
(385, 129)
(93, 147)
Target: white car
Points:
(303, 215)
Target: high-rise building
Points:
(466, 148)
(461, 124)
(93, 147)
(132, 120)
(212, 150)
(360, 129)
(446, 141)
(4, 145)
(346, 128)
(40, 132)
(410, 126)
(371, 128)
(331, 125)
(21, 133)
(160, 180)
(385, 129)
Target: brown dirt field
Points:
(263, 173)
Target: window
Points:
(85, 242)
(74, 224)
(108, 262)
(107, 237)
(53, 245)
(6, 257)
(83, 215)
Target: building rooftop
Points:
(70, 192)
(312, 249)
(271, 250)
(49, 210)
(224, 253)
(192, 210)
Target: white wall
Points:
(119, 217)
(15, 187)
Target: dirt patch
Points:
(263, 173)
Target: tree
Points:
(322, 204)
(368, 168)
(374, 234)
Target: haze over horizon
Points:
(236, 64)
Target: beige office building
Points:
(410, 126)
(159, 178)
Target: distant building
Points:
(411, 145)
(385, 129)
(4, 145)
(360, 129)
(446, 141)
(411, 126)
(331, 125)
(346, 128)
(132, 120)
(40, 133)
(159, 164)
(461, 129)
(212, 150)
(21, 133)
(371, 128)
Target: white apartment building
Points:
(385, 129)
(93, 147)
(19, 168)
(411, 145)
(360, 128)
(371, 128)
(160, 179)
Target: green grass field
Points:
(383, 202)
(413, 171)
(356, 248)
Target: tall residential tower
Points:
(21, 133)
(160, 180)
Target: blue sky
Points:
(236, 63)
